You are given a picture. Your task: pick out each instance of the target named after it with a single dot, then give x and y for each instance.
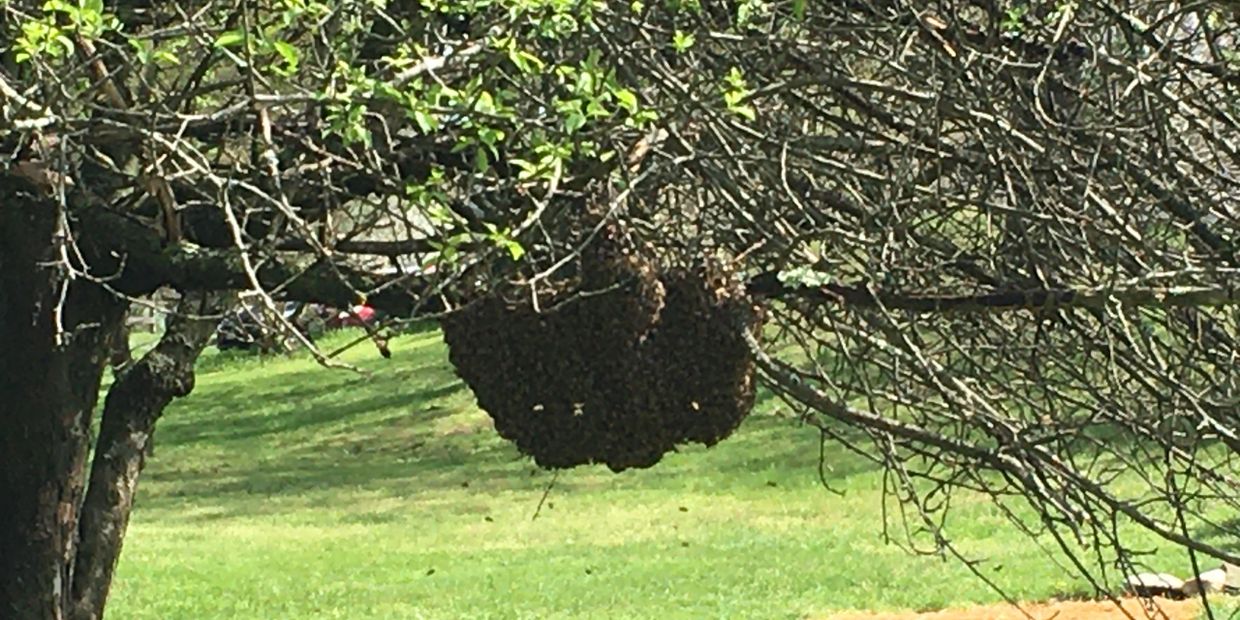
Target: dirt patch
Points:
(1161, 609)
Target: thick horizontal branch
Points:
(374, 248)
(768, 286)
(132, 260)
(140, 265)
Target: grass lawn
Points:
(283, 490)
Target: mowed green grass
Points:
(280, 489)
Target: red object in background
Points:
(360, 314)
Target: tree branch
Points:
(768, 286)
(133, 405)
(146, 266)
(131, 259)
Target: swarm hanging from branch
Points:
(617, 365)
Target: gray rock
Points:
(1209, 581)
(1233, 577)
(1155, 584)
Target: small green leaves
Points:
(549, 161)
(804, 276)
(426, 121)
(51, 35)
(484, 103)
(264, 42)
(524, 60)
(40, 38)
(230, 38)
(682, 41)
(1013, 19)
(491, 137)
(574, 121)
(420, 103)
(85, 17)
(626, 98)
(349, 122)
(593, 93)
(735, 92)
(146, 53)
(502, 238)
(289, 54)
(429, 197)
(747, 10)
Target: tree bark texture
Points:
(120, 357)
(56, 331)
(130, 411)
(60, 538)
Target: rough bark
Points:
(55, 332)
(142, 264)
(120, 356)
(132, 407)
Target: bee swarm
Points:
(617, 365)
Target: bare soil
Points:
(1159, 609)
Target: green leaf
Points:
(287, 52)
(594, 109)
(503, 239)
(627, 99)
(735, 92)
(525, 61)
(514, 249)
(448, 253)
(230, 38)
(490, 136)
(804, 276)
(426, 121)
(682, 41)
(735, 78)
(167, 57)
(485, 103)
(574, 122)
(66, 44)
(528, 168)
(1012, 21)
(585, 83)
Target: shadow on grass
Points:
(303, 410)
(261, 438)
(384, 471)
(476, 462)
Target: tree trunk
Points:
(59, 541)
(55, 332)
(121, 357)
(133, 405)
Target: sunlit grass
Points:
(283, 490)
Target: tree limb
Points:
(132, 406)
